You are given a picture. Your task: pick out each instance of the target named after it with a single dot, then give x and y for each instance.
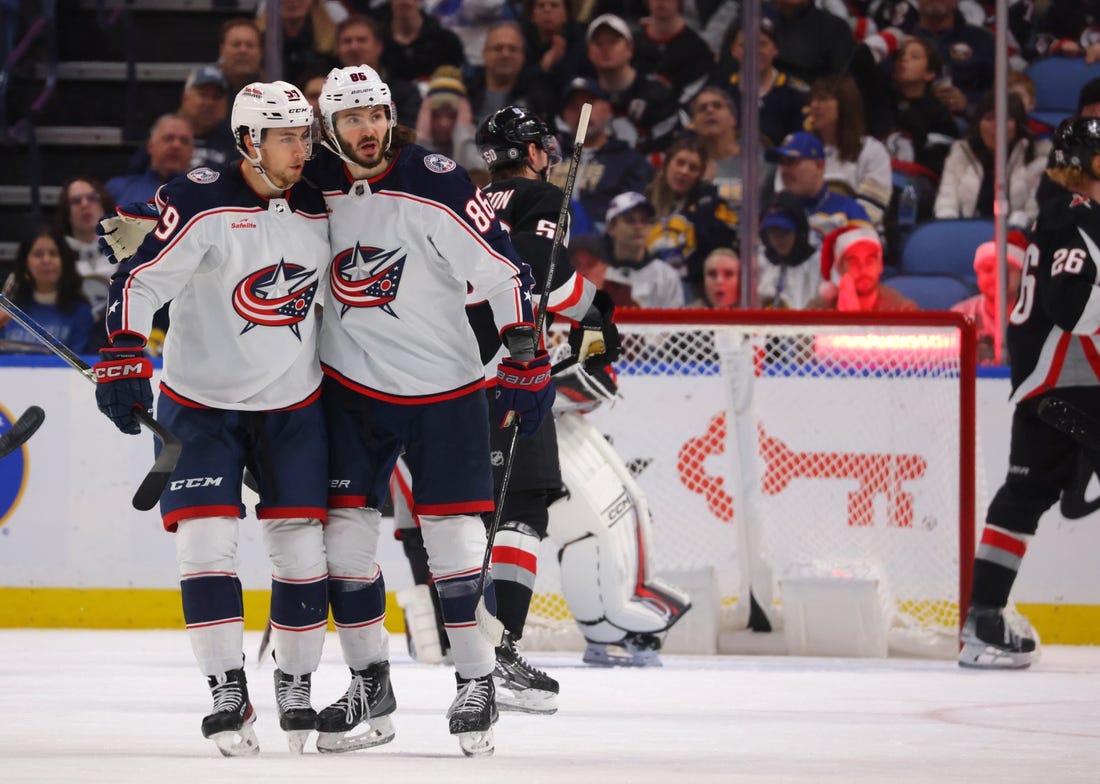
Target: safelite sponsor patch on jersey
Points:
(203, 176)
(440, 164)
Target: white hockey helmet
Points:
(262, 105)
(346, 88)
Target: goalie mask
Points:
(260, 106)
(504, 135)
(348, 88)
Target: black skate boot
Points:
(230, 724)
(637, 649)
(369, 701)
(473, 714)
(519, 686)
(989, 642)
(296, 715)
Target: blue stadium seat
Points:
(945, 247)
(932, 292)
(1058, 81)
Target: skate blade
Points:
(476, 744)
(987, 657)
(296, 740)
(237, 743)
(603, 657)
(534, 701)
(374, 732)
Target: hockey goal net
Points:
(776, 445)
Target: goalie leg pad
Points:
(603, 528)
(456, 547)
(299, 592)
(213, 608)
(356, 590)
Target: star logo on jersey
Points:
(1079, 200)
(366, 277)
(279, 295)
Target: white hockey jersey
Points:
(241, 272)
(407, 248)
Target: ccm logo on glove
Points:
(123, 368)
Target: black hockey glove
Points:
(595, 341)
(123, 374)
(524, 388)
(120, 235)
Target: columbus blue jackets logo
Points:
(440, 164)
(365, 277)
(279, 295)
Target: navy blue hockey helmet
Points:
(504, 135)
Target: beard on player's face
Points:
(368, 150)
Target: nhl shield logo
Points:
(279, 295)
(440, 164)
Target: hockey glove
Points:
(121, 235)
(595, 341)
(123, 374)
(524, 390)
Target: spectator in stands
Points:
(311, 86)
(1088, 100)
(1020, 85)
(204, 106)
(170, 147)
(982, 307)
(471, 21)
(692, 220)
(81, 202)
(445, 124)
(645, 108)
(309, 37)
(966, 190)
(801, 159)
(652, 282)
(851, 263)
(788, 270)
(504, 80)
(812, 43)
(855, 163)
(721, 280)
(360, 41)
(240, 53)
(714, 120)
(417, 44)
(966, 50)
(555, 45)
(668, 48)
(783, 98)
(609, 166)
(46, 285)
(1071, 28)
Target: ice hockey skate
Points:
(991, 643)
(230, 723)
(361, 718)
(296, 715)
(519, 686)
(635, 650)
(473, 714)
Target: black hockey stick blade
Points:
(148, 494)
(265, 643)
(1071, 420)
(21, 430)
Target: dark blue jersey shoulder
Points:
(420, 172)
(224, 187)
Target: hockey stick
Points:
(21, 430)
(1070, 420)
(148, 494)
(487, 623)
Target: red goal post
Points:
(775, 444)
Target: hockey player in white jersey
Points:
(240, 252)
(410, 237)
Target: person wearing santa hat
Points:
(982, 308)
(851, 266)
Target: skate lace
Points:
(356, 699)
(526, 666)
(227, 697)
(294, 694)
(473, 694)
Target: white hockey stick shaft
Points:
(489, 625)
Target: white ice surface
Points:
(86, 707)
